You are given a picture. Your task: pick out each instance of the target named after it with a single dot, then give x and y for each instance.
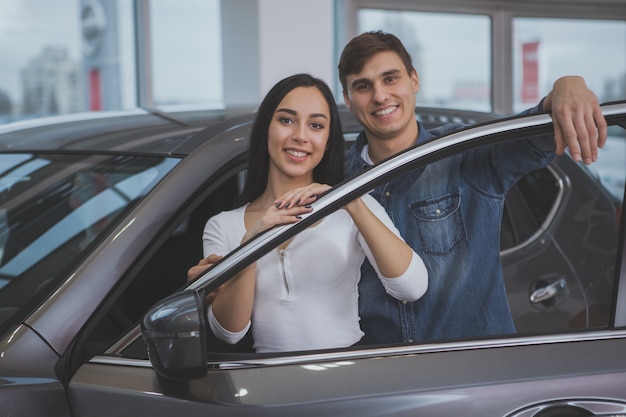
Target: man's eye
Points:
(391, 79)
(361, 87)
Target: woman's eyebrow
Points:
(295, 113)
(286, 110)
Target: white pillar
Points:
(264, 41)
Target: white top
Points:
(306, 295)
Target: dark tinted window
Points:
(52, 209)
(527, 206)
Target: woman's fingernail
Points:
(297, 202)
(287, 206)
(299, 217)
(307, 206)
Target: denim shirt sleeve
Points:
(502, 164)
(544, 142)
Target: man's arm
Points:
(577, 118)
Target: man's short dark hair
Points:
(361, 48)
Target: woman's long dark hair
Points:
(328, 171)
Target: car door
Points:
(551, 283)
(540, 374)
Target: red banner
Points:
(95, 90)
(530, 72)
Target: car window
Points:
(610, 166)
(164, 271)
(527, 206)
(53, 208)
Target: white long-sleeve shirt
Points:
(306, 296)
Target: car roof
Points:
(154, 132)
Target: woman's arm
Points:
(402, 272)
(222, 233)
(233, 304)
(391, 253)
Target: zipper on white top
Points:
(281, 255)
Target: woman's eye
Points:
(285, 120)
(316, 125)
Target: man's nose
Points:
(380, 94)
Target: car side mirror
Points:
(175, 335)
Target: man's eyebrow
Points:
(295, 113)
(358, 81)
(390, 72)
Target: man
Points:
(450, 211)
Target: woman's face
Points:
(298, 133)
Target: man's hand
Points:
(577, 118)
(204, 263)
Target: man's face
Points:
(382, 97)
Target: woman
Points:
(304, 294)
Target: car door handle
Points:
(549, 291)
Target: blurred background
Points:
(67, 56)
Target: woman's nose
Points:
(300, 134)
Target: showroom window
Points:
(454, 71)
(499, 57)
(545, 49)
(81, 55)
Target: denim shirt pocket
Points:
(439, 222)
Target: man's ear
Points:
(346, 100)
(416, 81)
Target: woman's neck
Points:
(277, 187)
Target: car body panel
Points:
(29, 383)
(447, 380)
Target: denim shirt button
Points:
(405, 302)
(438, 211)
(387, 194)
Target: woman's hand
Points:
(302, 196)
(276, 216)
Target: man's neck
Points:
(380, 149)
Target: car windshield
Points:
(53, 208)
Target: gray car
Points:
(101, 217)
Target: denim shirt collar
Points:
(355, 164)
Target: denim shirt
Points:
(449, 212)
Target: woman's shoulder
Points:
(228, 217)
